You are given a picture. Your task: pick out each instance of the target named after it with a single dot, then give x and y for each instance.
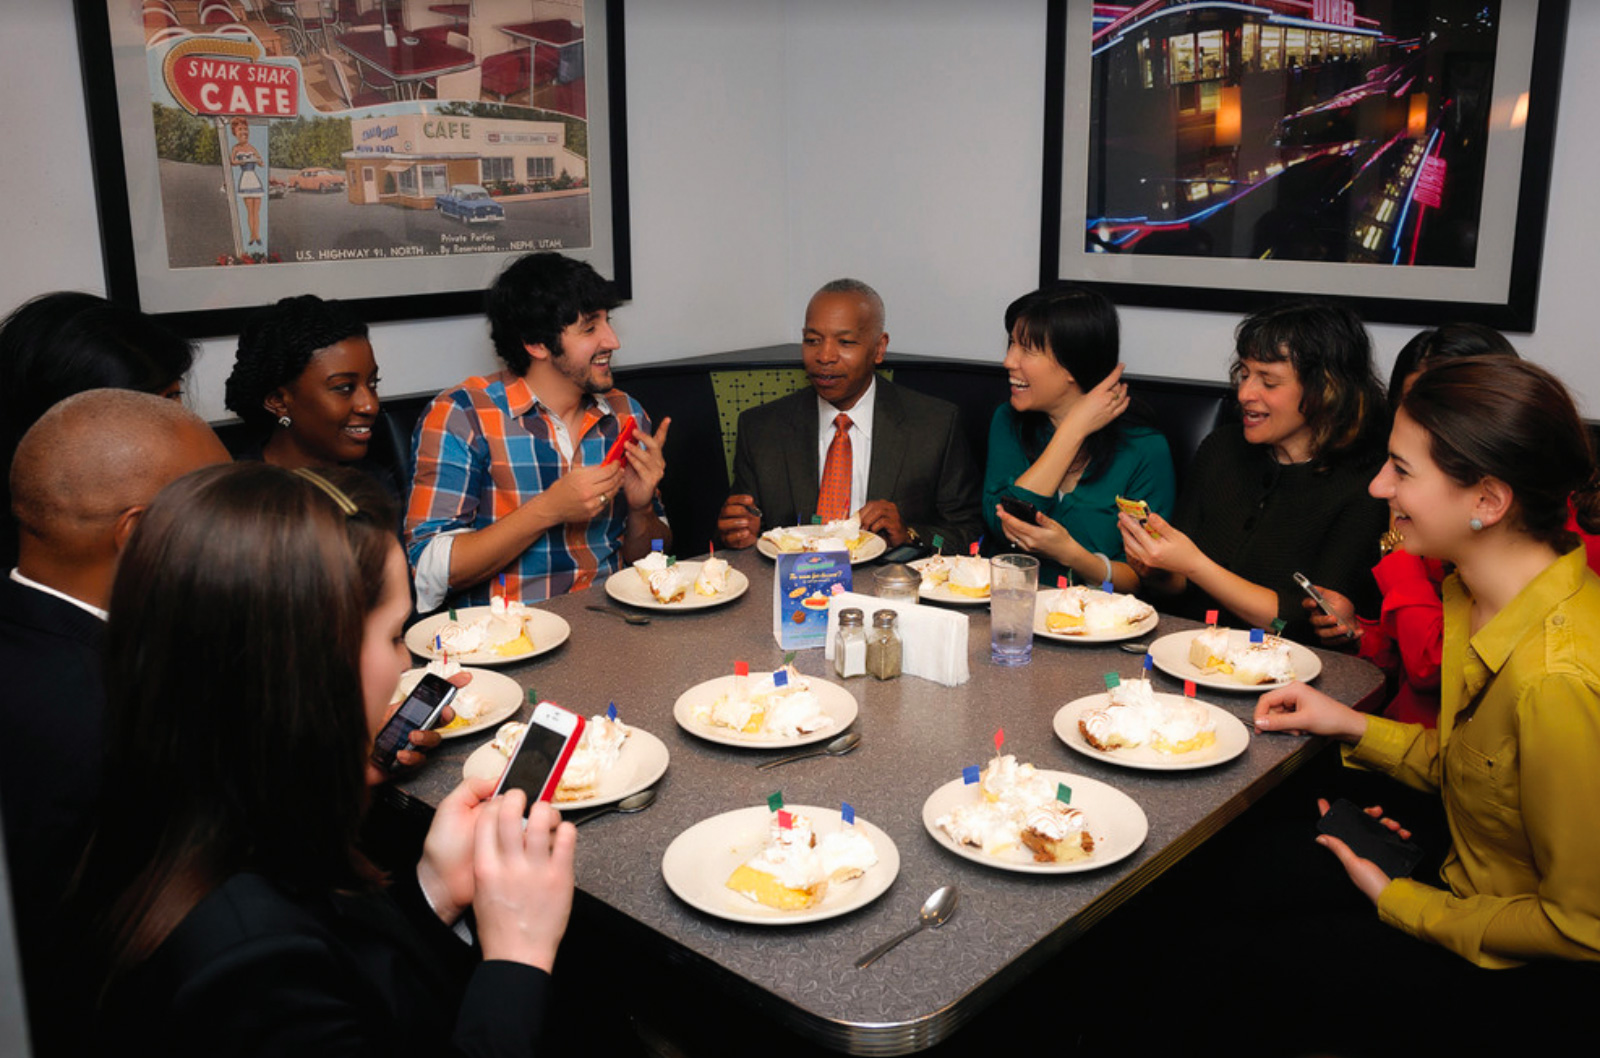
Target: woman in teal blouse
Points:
(1060, 443)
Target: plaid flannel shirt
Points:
(488, 446)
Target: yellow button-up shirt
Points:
(1520, 776)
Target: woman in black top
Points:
(254, 645)
(1285, 489)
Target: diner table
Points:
(558, 33)
(410, 62)
(916, 735)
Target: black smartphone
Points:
(1021, 510)
(1370, 839)
(418, 712)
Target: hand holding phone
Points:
(1370, 839)
(1322, 604)
(1021, 510)
(419, 712)
(541, 756)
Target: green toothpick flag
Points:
(775, 800)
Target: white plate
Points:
(501, 694)
(641, 762)
(1041, 608)
(545, 629)
(626, 586)
(835, 701)
(697, 864)
(1116, 823)
(868, 551)
(941, 592)
(1233, 738)
(1171, 655)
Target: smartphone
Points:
(1021, 510)
(629, 428)
(418, 712)
(541, 756)
(1322, 604)
(1370, 839)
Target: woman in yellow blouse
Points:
(1483, 456)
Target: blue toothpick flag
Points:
(1149, 663)
(847, 813)
(611, 711)
(1257, 635)
(656, 544)
(969, 774)
(1107, 587)
(780, 678)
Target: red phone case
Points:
(629, 428)
(556, 772)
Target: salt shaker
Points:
(850, 644)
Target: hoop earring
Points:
(1476, 525)
(286, 422)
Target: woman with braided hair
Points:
(305, 378)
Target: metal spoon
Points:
(837, 748)
(1135, 648)
(631, 618)
(936, 911)
(627, 806)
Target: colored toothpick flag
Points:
(1149, 663)
(938, 543)
(741, 668)
(438, 644)
(1188, 688)
(1061, 582)
(453, 613)
(973, 550)
(1107, 587)
(847, 813)
(1257, 635)
(1277, 626)
(785, 821)
(533, 696)
(657, 544)
(999, 739)
(1211, 617)
(1063, 793)
(1113, 681)
(775, 800)
(780, 678)
(611, 712)
(816, 519)
(969, 774)
(788, 658)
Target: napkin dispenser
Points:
(934, 639)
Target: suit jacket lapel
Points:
(801, 460)
(889, 442)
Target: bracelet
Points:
(1101, 556)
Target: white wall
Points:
(776, 144)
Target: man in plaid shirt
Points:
(510, 486)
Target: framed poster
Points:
(394, 154)
(1221, 156)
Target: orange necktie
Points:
(833, 499)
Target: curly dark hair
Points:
(536, 297)
(1449, 342)
(1331, 352)
(276, 345)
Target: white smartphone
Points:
(541, 755)
(1322, 604)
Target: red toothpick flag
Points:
(785, 821)
(741, 668)
(1188, 688)
(1061, 582)
(974, 550)
(999, 739)
(1211, 617)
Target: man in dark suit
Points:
(853, 442)
(81, 477)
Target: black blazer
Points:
(254, 971)
(920, 461)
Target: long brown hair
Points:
(1493, 416)
(235, 716)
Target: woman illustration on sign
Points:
(250, 187)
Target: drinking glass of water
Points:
(1013, 584)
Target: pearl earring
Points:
(1476, 525)
(286, 422)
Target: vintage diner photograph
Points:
(674, 528)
